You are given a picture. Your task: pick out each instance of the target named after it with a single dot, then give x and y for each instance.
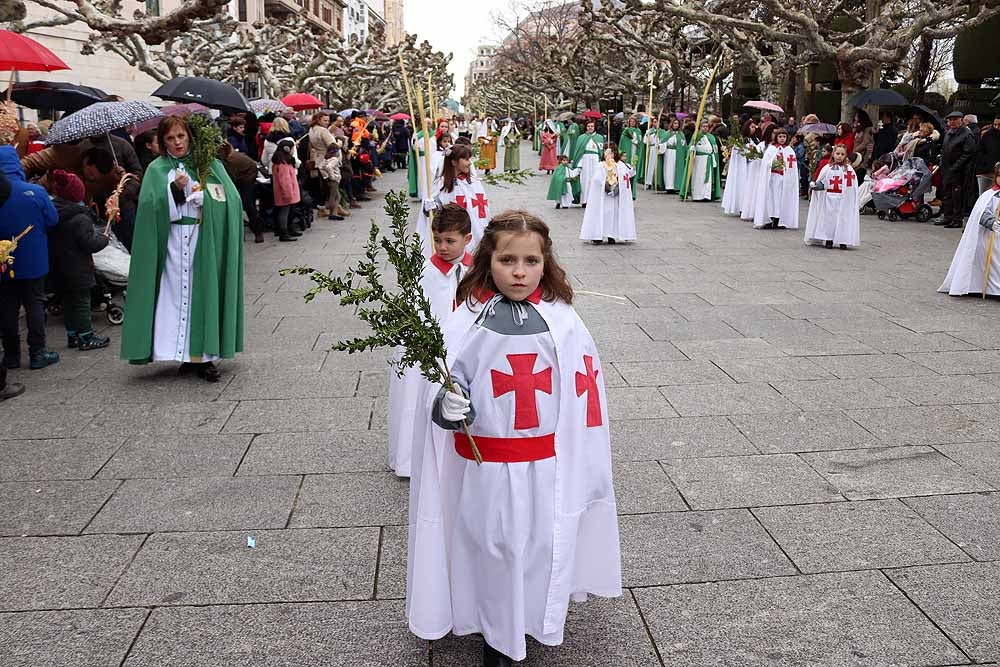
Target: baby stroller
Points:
(111, 266)
(901, 193)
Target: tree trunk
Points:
(853, 77)
(922, 68)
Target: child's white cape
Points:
(968, 266)
(833, 212)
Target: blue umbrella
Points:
(347, 112)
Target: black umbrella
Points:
(879, 97)
(996, 101)
(211, 93)
(55, 95)
(927, 114)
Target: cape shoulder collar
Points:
(482, 296)
(445, 267)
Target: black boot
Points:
(494, 658)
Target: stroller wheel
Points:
(924, 213)
(868, 209)
(881, 215)
(893, 216)
(115, 314)
(53, 309)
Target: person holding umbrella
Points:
(185, 287)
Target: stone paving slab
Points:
(803, 431)
(313, 453)
(972, 521)
(651, 439)
(220, 568)
(638, 403)
(980, 458)
(729, 348)
(944, 390)
(301, 414)
(290, 385)
(748, 481)
(62, 572)
(815, 395)
(643, 487)
(893, 472)
(770, 369)
(959, 363)
(872, 366)
(30, 421)
(51, 508)
(198, 504)
(725, 399)
(856, 536)
(86, 638)
(853, 618)
(351, 499)
(177, 456)
(129, 419)
(663, 373)
(963, 600)
(676, 547)
(69, 458)
(909, 342)
(930, 425)
(391, 575)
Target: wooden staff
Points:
(427, 146)
(697, 128)
(989, 255)
(430, 100)
(649, 125)
(409, 95)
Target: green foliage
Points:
(207, 139)
(499, 178)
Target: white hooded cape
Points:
(585, 556)
(968, 266)
(833, 211)
(732, 194)
(751, 185)
(605, 216)
(467, 192)
(774, 201)
(407, 418)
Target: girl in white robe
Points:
(753, 150)
(833, 208)
(967, 273)
(777, 202)
(458, 184)
(611, 213)
(500, 548)
(732, 194)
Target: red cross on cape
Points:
(586, 383)
(835, 183)
(524, 382)
(850, 176)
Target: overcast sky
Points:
(458, 26)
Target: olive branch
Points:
(398, 319)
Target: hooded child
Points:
(833, 209)
(564, 186)
(778, 197)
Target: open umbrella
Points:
(211, 93)
(261, 107)
(54, 95)
(100, 118)
(301, 101)
(346, 113)
(879, 97)
(23, 54)
(591, 114)
(399, 116)
(818, 128)
(172, 110)
(927, 114)
(565, 115)
(766, 106)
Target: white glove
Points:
(429, 205)
(455, 407)
(196, 199)
(996, 225)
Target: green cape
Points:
(569, 140)
(512, 151)
(411, 164)
(712, 173)
(217, 281)
(632, 153)
(557, 185)
(580, 147)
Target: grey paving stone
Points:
(312, 453)
(900, 343)
(338, 362)
(820, 346)
(219, 568)
(207, 503)
(982, 338)
(643, 487)
(728, 348)
(663, 373)
(944, 390)
(90, 638)
(637, 403)
(302, 414)
(157, 383)
(374, 383)
(930, 425)
(290, 384)
(651, 439)
(872, 366)
(68, 458)
(946, 322)
(167, 455)
(959, 363)
(852, 618)
(769, 369)
(660, 549)
(61, 572)
(810, 311)
(893, 472)
(351, 499)
(814, 395)
(852, 325)
(730, 314)
(599, 633)
(32, 421)
(683, 330)
(963, 600)
(149, 418)
(391, 581)
(777, 328)
(748, 481)
(725, 399)
(652, 351)
(980, 458)
(338, 634)
(51, 508)
(802, 431)
(971, 520)
(856, 536)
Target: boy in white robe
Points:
(833, 208)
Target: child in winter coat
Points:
(285, 181)
(72, 243)
(329, 169)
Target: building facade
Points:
(394, 31)
(480, 66)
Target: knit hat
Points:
(66, 185)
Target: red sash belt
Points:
(507, 450)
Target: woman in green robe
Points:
(511, 140)
(630, 145)
(569, 137)
(185, 286)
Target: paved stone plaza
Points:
(806, 444)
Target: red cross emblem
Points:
(479, 202)
(850, 178)
(586, 383)
(524, 382)
(460, 200)
(628, 181)
(835, 183)
(791, 160)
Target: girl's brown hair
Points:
(448, 171)
(479, 279)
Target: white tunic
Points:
(589, 163)
(968, 267)
(751, 187)
(778, 195)
(833, 211)
(172, 320)
(567, 197)
(608, 216)
(419, 145)
(702, 178)
(668, 150)
(652, 140)
(468, 192)
(732, 194)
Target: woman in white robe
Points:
(732, 193)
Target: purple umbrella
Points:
(173, 110)
(818, 128)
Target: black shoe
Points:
(558, 205)
(208, 372)
(10, 390)
(43, 358)
(72, 340)
(258, 238)
(334, 217)
(843, 246)
(93, 342)
(954, 225)
(611, 241)
(942, 222)
(287, 239)
(294, 233)
(597, 242)
(583, 205)
(494, 658)
(829, 244)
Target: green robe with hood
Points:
(216, 310)
(632, 154)
(712, 172)
(569, 137)
(557, 184)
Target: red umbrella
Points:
(20, 53)
(590, 113)
(301, 101)
(399, 116)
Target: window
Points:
(327, 15)
(316, 7)
(153, 7)
(243, 10)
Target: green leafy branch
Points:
(207, 139)
(499, 178)
(398, 319)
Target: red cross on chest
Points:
(460, 200)
(524, 382)
(628, 181)
(479, 202)
(791, 160)
(835, 183)
(586, 383)
(850, 178)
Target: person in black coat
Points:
(989, 153)
(72, 243)
(958, 151)
(887, 137)
(400, 143)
